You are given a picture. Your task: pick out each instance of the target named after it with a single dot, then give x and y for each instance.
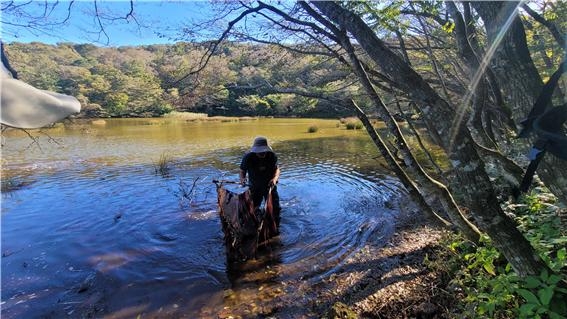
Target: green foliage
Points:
(117, 103)
(489, 286)
(152, 80)
(449, 26)
(538, 220)
(543, 295)
(548, 53)
(312, 129)
(161, 109)
(484, 277)
(255, 104)
(382, 15)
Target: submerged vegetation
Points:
(191, 117)
(188, 116)
(163, 165)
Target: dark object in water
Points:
(245, 228)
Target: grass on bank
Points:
(189, 116)
(484, 283)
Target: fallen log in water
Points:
(245, 227)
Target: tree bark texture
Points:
(439, 189)
(471, 180)
(520, 80)
(412, 188)
(511, 60)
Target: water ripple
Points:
(131, 226)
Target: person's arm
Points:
(243, 168)
(276, 177)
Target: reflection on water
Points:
(93, 230)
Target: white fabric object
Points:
(24, 106)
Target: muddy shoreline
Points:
(379, 281)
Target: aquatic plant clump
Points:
(163, 165)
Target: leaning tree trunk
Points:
(512, 62)
(466, 47)
(412, 188)
(480, 95)
(520, 80)
(470, 179)
(439, 189)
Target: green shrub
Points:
(312, 129)
(488, 285)
(353, 125)
(543, 296)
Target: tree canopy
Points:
(153, 80)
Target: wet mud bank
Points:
(379, 281)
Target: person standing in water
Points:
(260, 165)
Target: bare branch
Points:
(68, 12)
(98, 19)
(549, 25)
(425, 14)
(214, 45)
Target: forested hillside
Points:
(153, 80)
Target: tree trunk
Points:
(439, 189)
(471, 180)
(520, 79)
(413, 190)
(476, 76)
(511, 61)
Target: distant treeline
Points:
(148, 81)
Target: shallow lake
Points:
(91, 228)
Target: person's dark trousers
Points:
(259, 195)
(276, 203)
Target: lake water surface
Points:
(91, 229)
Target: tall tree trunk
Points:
(520, 79)
(471, 180)
(511, 60)
(482, 127)
(439, 189)
(412, 188)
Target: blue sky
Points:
(152, 18)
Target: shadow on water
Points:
(94, 240)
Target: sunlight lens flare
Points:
(461, 108)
